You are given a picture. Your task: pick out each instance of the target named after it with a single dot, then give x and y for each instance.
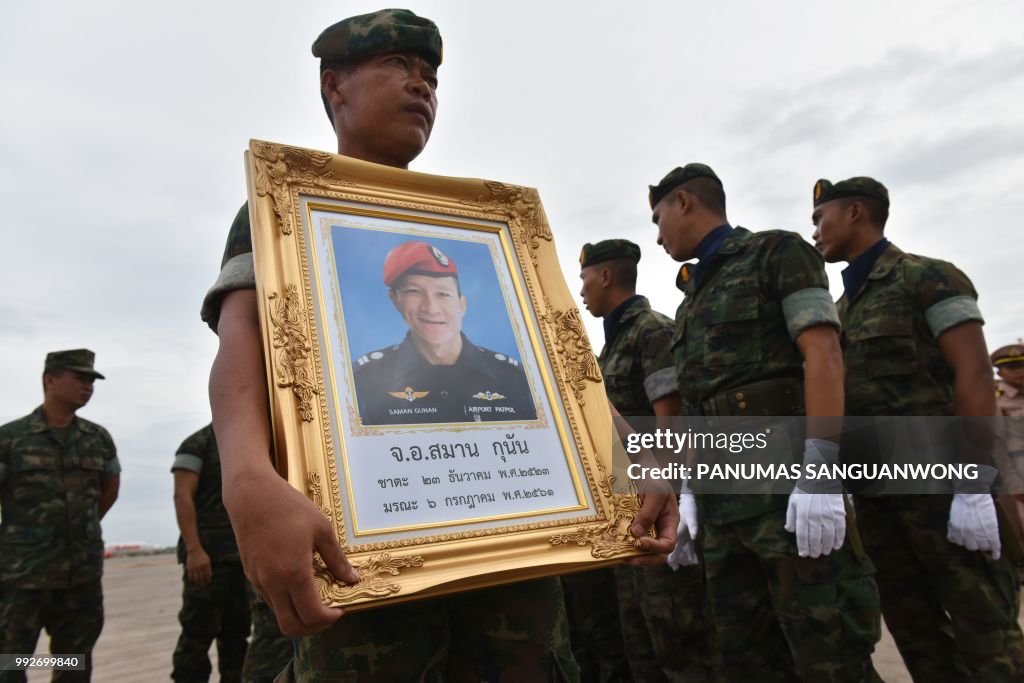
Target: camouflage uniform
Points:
(668, 635)
(516, 632)
(269, 651)
(951, 611)
(219, 610)
(778, 616)
(51, 549)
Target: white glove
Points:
(816, 513)
(685, 552)
(972, 516)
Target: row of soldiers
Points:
(784, 598)
(781, 596)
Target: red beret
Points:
(420, 257)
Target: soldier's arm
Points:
(197, 561)
(963, 347)
(110, 485)
(823, 380)
(185, 484)
(797, 279)
(277, 528)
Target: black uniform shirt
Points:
(395, 385)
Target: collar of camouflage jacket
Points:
(627, 310)
(887, 260)
(37, 422)
(735, 241)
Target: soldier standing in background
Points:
(913, 346)
(217, 604)
(59, 475)
(214, 604)
(757, 334)
(1009, 364)
(661, 611)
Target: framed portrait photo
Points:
(432, 387)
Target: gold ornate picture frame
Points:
(500, 473)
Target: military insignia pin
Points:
(439, 255)
(488, 396)
(409, 394)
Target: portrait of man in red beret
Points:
(436, 374)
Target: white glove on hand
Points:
(972, 516)
(685, 552)
(816, 513)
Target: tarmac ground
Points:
(142, 596)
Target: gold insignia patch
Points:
(488, 396)
(583, 255)
(409, 394)
(684, 272)
(817, 190)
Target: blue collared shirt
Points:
(611, 321)
(856, 274)
(708, 249)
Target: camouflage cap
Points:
(607, 250)
(1004, 355)
(676, 177)
(78, 360)
(377, 33)
(860, 186)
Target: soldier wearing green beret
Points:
(378, 82)
(757, 334)
(660, 609)
(913, 346)
(59, 474)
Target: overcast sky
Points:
(124, 123)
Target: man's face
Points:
(384, 108)
(1012, 373)
(68, 387)
(833, 230)
(592, 293)
(674, 228)
(431, 307)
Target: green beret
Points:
(676, 177)
(861, 186)
(1004, 355)
(77, 360)
(608, 250)
(378, 33)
